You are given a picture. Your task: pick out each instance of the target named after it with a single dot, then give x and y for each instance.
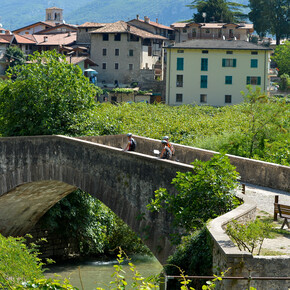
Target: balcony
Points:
(192, 36)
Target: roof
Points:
(21, 39)
(56, 39)
(218, 44)
(124, 27)
(213, 25)
(2, 40)
(74, 27)
(50, 24)
(78, 59)
(92, 25)
(53, 8)
(6, 38)
(155, 24)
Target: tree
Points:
(216, 10)
(14, 55)
(204, 193)
(46, 96)
(282, 58)
(270, 16)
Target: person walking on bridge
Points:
(131, 145)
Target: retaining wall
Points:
(242, 264)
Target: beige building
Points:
(126, 54)
(221, 31)
(214, 72)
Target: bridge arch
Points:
(36, 172)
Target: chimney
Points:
(156, 20)
(146, 19)
(45, 39)
(137, 16)
(128, 27)
(69, 33)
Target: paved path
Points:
(264, 197)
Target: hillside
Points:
(17, 13)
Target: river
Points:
(98, 273)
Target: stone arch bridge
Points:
(36, 172)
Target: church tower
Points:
(54, 15)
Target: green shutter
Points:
(224, 62)
(204, 64)
(234, 62)
(259, 81)
(203, 82)
(248, 80)
(180, 63)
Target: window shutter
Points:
(259, 81)
(224, 62)
(248, 80)
(179, 63)
(234, 62)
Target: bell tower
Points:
(54, 15)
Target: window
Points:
(254, 52)
(254, 63)
(117, 52)
(229, 62)
(207, 31)
(228, 99)
(184, 30)
(104, 51)
(130, 66)
(203, 82)
(117, 37)
(203, 98)
(178, 98)
(180, 51)
(131, 52)
(180, 61)
(204, 64)
(254, 81)
(204, 51)
(229, 52)
(116, 65)
(105, 36)
(179, 80)
(104, 65)
(228, 80)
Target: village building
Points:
(127, 54)
(218, 31)
(214, 72)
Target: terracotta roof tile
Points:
(23, 40)
(124, 27)
(56, 39)
(2, 40)
(92, 25)
(78, 59)
(155, 24)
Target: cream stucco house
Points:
(214, 72)
(126, 54)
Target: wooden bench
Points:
(283, 211)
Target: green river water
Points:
(98, 273)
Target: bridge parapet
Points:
(251, 171)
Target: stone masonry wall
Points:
(251, 171)
(243, 264)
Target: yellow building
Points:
(214, 72)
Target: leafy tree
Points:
(270, 16)
(46, 96)
(15, 56)
(204, 193)
(217, 10)
(18, 262)
(282, 58)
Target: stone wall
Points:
(243, 264)
(251, 171)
